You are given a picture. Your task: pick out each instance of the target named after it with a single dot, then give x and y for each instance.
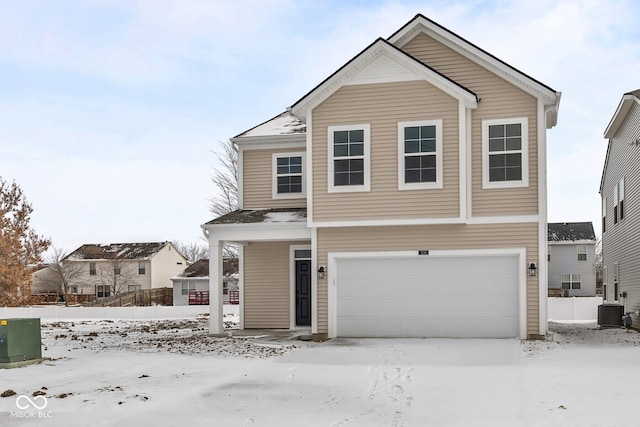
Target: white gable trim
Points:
(620, 114)
(477, 55)
(381, 62)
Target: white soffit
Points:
(383, 69)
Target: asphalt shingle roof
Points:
(570, 231)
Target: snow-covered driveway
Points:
(172, 374)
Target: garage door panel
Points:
(428, 297)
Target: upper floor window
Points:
(142, 267)
(582, 253)
(604, 214)
(92, 268)
(618, 201)
(420, 155)
(349, 158)
(288, 175)
(505, 159)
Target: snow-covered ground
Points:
(171, 373)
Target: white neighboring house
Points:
(571, 256)
(125, 267)
(191, 287)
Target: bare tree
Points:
(116, 275)
(192, 251)
(19, 245)
(63, 274)
(225, 179)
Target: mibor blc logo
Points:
(31, 407)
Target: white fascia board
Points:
(259, 232)
(296, 140)
(476, 55)
(572, 242)
(620, 114)
(420, 71)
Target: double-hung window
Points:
(349, 158)
(582, 252)
(288, 175)
(505, 160)
(420, 155)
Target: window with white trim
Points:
(615, 204)
(420, 154)
(570, 281)
(188, 286)
(621, 199)
(505, 159)
(582, 252)
(288, 175)
(349, 158)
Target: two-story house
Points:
(403, 196)
(619, 189)
(572, 256)
(109, 269)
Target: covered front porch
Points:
(277, 287)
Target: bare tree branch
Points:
(192, 251)
(225, 179)
(63, 274)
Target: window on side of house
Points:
(142, 267)
(74, 289)
(103, 291)
(288, 175)
(615, 204)
(225, 288)
(92, 268)
(621, 199)
(188, 286)
(505, 158)
(349, 158)
(420, 155)
(570, 281)
(117, 270)
(582, 252)
(604, 214)
(133, 288)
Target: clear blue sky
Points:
(109, 110)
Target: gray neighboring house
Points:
(194, 281)
(571, 256)
(619, 190)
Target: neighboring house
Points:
(110, 269)
(571, 255)
(191, 287)
(404, 196)
(620, 192)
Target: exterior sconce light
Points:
(532, 269)
(321, 272)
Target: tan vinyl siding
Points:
(382, 106)
(620, 240)
(434, 237)
(266, 285)
(257, 169)
(498, 99)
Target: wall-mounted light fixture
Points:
(321, 272)
(532, 269)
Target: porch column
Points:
(216, 326)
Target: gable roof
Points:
(621, 112)
(412, 68)
(123, 251)
(616, 121)
(570, 232)
(200, 268)
(421, 23)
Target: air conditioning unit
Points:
(610, 315)
(20, 340)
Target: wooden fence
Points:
(145, 297)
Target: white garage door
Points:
(428, 296)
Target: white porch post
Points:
(216, 326)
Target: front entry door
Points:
(303, 292)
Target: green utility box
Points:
(20, 340)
